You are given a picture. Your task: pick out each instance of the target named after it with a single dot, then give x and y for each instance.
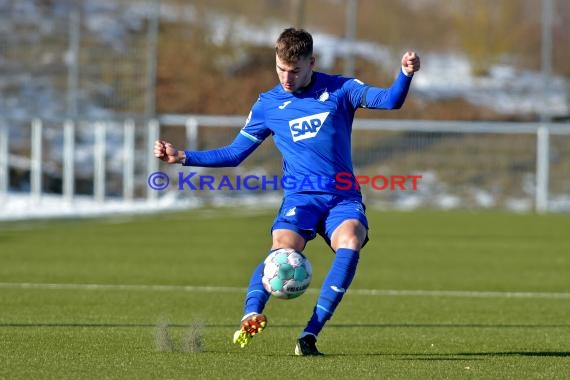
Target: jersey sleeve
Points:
(248, 139)
(362, 95)
(227, 156)
(255, 128)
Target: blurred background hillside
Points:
(128, 62)
(465, 45)
(482, 60)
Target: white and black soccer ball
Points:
(287, 273)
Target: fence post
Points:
(36, 161)
(4, 171)
(542, 169)
(192, 133)
(73, 61)
(152, 162)
(151, 59)
(128, 159)
(99, 164)
(68, 160)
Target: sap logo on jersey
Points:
(307, 127)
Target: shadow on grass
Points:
(330, 326)
(459, 356)
(482, 355)
(395, 356)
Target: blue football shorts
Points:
(310, 214)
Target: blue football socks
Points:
(256, 296)
(334, 287)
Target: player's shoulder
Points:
(270, 98)
(267, 100)
(332, 81)
(274, 93)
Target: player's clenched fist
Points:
(410, 62)
(167, 153)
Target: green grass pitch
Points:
(437, 295)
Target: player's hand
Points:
(166, 152)
(410, 62)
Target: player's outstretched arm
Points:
(410, 62)
(165, 151)
(226, 156)
(394, 96)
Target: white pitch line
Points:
(169, 288)
(460, 293)
(228, 289)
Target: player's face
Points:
(295, 76)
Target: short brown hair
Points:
(294, 44)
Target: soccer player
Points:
(310, 115)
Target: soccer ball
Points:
(287, 273)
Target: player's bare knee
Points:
(350, 241)
(350, 234)
(283, 238)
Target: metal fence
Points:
(96, 64)
(468, 165)
(71, 58)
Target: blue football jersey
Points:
(311, 128)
